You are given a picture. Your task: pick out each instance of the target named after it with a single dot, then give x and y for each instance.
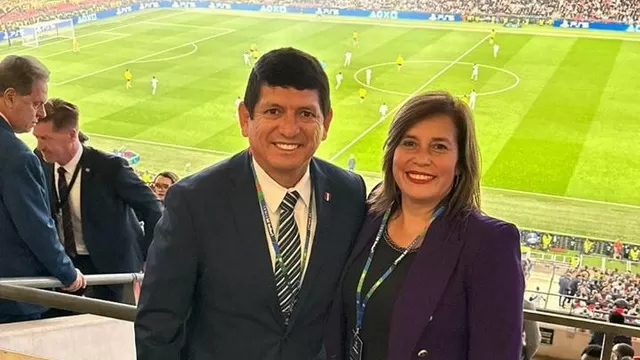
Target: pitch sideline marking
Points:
(516, 77)
(422, 87)
(141, 58)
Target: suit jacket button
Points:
(423, 353)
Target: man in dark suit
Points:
(28, 241)
(94, 196)
(248, 253)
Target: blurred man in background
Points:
(95, 197)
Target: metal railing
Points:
(26, 290)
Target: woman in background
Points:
(430, 275)
(162, 183)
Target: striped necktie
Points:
(288, 284)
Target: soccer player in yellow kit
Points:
(363, 93)
(127, 77)
(399, 62)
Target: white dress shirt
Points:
(274, 193)
(74, 201)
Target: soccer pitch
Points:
(557, 112)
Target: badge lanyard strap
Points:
(361, 304)
(60, 202)
(274, 239)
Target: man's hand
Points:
(79, 283)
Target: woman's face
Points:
(160, 186)
(425, 161)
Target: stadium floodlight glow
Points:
(33, 35)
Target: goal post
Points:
(33, 35)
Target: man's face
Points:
(23, 112)
(54, 145)
(286, 129)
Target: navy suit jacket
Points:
(111, 195)
(209, 264)
(29, 244)
(462, 298)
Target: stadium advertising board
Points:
(595, 25)
(320, 11)
(281, 9)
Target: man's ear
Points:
(244, 118)
(327, 124)
(9, 97)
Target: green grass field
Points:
(557, 118)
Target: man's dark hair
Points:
(622, 350)
(287, 68)
(616, 318)
(593, 350)
(21, 73)
(63, 114)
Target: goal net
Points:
(34, 35)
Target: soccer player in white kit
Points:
(472, 99)
(339, 78)
(383, 110)
(247, 59)
(474, 72)
(154, 85)
(496, 48)
(368, 74)
(347, 58)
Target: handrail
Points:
(128, 312)
(73, 303)
(51, 282)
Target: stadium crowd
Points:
(597, 293)
(15, 14)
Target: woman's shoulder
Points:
(478, 222)
(489, 229)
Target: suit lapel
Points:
(250, 227)
(51, 186)
(85, 165)
(423, 287)
(321, 249)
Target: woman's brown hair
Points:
(465, 194)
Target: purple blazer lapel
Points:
(423, 288)
(366, 237)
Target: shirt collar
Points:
(274, 193)
(70, 167)
(4, 122)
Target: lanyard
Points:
(361, 304)
(62, 201)
(274, 239)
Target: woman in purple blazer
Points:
(430, 275)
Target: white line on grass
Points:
(190, 148)
(86, 46)
(193, 51)
(107, 31)
(422, 87)
(377, 175)
(141, 58)
(184, 25)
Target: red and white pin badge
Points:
(327, 196)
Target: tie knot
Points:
(290, 200)
(61, 171)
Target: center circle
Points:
(512, 74)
